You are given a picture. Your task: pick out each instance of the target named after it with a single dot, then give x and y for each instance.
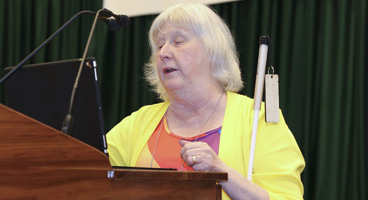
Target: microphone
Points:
(104, 14)
(114, 22)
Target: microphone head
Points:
(104, 13)
(112, 24)
(123, 20)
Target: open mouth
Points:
(168, 70)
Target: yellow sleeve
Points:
(120, 144)
(278, 161)
(126, 140)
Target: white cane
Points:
(258, 92)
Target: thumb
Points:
(183, 142)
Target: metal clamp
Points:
(110, 174)
(269, 69)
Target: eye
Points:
(179, 40)
(160, 44)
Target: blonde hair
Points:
(212, 31)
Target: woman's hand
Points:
(200, 156)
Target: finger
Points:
(191, 160)
(193, 148)
(183, 142)
(188, 151)
(186, 146)
(194, 159)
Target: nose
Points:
(165, 52)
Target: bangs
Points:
(177, 17)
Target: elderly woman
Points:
(203, 124)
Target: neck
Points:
(194, 100)
(196, 113)
(194, 97)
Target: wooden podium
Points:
(39, 162)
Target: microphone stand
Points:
(43, 44)
(68, 121)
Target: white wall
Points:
(146, 7)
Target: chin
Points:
(171, 85)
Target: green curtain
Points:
(319, 50)
(25, 24)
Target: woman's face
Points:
(182, 61)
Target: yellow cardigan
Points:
(278, 161)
